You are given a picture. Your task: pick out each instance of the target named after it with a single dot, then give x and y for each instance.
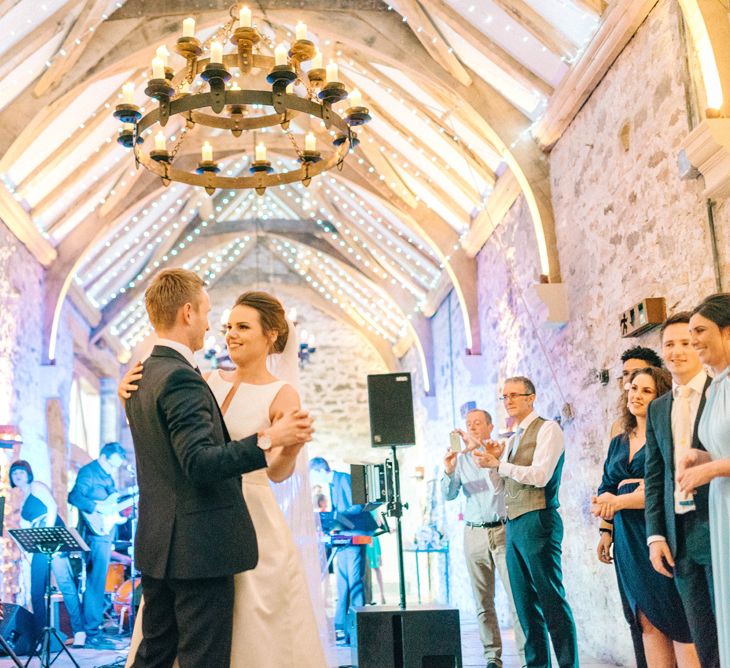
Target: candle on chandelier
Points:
(216, 52)
(128, 93)
(311, 341)
(128, 127)
(301, 30)
(355, 98)
(280, 54)
(235, 86)
(244, 17)
(160, 142)
(260, 153)
(317, 60)
(332, 72)
(207, 152)
(158, 68)
(162, 54)
(310, 142)
(189, 27)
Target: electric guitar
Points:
(102, 524)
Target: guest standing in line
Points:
(485, 534)
(710, 331)
(637, 357)
(634, 358)
(531, 465)
(653, 600)
(677, 524)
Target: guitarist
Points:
(94, 491)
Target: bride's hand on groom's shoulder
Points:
(128, 383)
(294, 428)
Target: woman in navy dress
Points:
(653, 598)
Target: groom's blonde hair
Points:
(168, 292)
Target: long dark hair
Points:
(662, 382)
(716, 308)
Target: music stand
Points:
(49, 541)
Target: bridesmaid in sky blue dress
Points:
(710, 331)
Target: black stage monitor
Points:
(390, 401)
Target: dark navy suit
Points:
(688, 535)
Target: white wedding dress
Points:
(274, 623)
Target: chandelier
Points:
(219, 105)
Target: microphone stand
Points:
(132, 567)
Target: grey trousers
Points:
(485, 553)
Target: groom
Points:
(194, 531)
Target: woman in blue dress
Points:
(652, 598)
(710, 332)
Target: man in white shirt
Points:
(677, 524)
(530, 466)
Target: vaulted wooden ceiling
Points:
(462, 94)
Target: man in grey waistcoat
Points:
(530, 465)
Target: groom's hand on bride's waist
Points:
(292, 429)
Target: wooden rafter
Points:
(538, 27)
(18, 53)
(593, 6)
(489, 48)
(73, 46)
(427, 33)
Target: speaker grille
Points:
(390, 399)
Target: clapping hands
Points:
(488, 455)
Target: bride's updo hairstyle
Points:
(271, 314)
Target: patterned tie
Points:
(515, 442)
(682, 436)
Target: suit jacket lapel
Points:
(667, 442)
(696, 443)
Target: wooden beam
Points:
(21, 225)
(17, 54)
(73, 46)
(620, 23)
(596, 7)
(85, 128)
(489, 48)
(432, 40)
(78, 172)
(538, 27)
(496, 207)
(7, 5)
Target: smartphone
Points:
(455, 441)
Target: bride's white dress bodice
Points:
(273, 619)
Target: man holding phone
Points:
(484, 533)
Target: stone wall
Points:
(627, 228)
(33, 396)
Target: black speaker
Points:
(16, 626)
(390, 400)
(427, 636)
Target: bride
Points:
(274, 622)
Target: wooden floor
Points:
(471, 654)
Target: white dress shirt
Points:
(547, 453)
(696, 386)
(181, 348)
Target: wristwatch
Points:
(264, 441)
